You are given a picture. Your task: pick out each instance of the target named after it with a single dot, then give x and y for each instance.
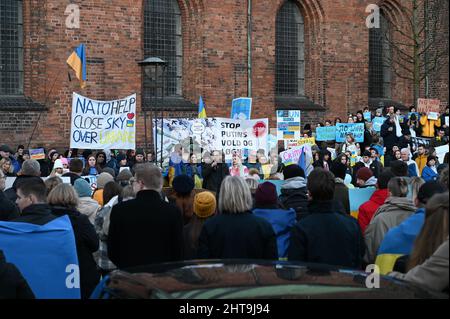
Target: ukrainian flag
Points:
(201, 109)
(77, 61)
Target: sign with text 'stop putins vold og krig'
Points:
(103, 124)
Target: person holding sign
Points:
(428, 125)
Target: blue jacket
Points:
(282, 221)
(412, 171)
(428, 174)
(399, 241)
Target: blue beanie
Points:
(183, 184)
(83, 188)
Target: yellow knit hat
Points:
(204, 204)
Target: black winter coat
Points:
(8, 210)
(389, 137)
(87, 243)
(327, 237)
(241, 235)
(144, 231)
(12, 284)
(37, 214)
(213, 176)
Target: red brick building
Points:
(311, 55)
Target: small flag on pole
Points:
(201, 109)
(77, 61)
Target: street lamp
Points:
(154, 69)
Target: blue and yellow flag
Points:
(77, 61)
(201, 109)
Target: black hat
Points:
(292, 171)
(183, 184)
(140, 151)
(6, 148)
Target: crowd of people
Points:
(203, 207)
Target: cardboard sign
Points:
(241, 108)
(288, 124)
(428, 105)
(433, 116)
(291, 156)
(367, 116)
(356, 129)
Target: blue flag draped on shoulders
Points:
(45, 255)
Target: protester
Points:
(367, 210)
(293, 190)
(444, 177)
(236, 232)
(52, 182)
(399, 240)
(428, 125)
(12, 283)
(394, 211)
(214, 173)
(193, 169)
(421, 158)
(413, 168)
(6, 167)
(365, 178)
(147, 229)
(341, 194)
(349, 145)
(324, 160)
(267, 207)
(92, 168)
(204, 208)
(183, 196)
(100, 159)
(389, 133)
(111, 196)
(429, 262)
(6, 153)
(53, 155)
(19, 154)
(326, 236)
(75, 170)
(366, 161)
(86, 205)
(140, 156)
(440, 139)
(30, 168)
(430, 172)
(64, 200)
(123, 178)
(102, 179)
(8, 210)
(58, 169)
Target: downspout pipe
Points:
(249, 48)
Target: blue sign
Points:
(241, 108)
(377, 122)
(358, 196)
(326, 133)
(356, 129)
(367, 116)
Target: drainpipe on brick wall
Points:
(249, 48)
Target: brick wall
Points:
(215, 60)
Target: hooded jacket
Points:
(421, 161)
(368, 209)
(428, 174)
(294, 195)
(394, 211)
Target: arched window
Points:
(289, 51)
(162, 39)
(11, 47)
(379, 60)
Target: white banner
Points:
(103, 124)
(200, 135)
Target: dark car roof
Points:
(252, 279)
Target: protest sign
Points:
(326, 133)
(420, 141)
(356, 129)
(441, 151)
(103, 124)
(357, 197)
(307, 140)
(10, 181)
(446, 121)
(288, 124)
(367, 116)
(377, 122)
(428, 105)
(433, 116)
(220, 134)
(37, 154)
(291, 156)
(241, 108)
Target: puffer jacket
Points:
(394, 211)
(294, 195)
(369, 208)
(428, 126)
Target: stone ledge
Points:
(20, 104)
(301, 103)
